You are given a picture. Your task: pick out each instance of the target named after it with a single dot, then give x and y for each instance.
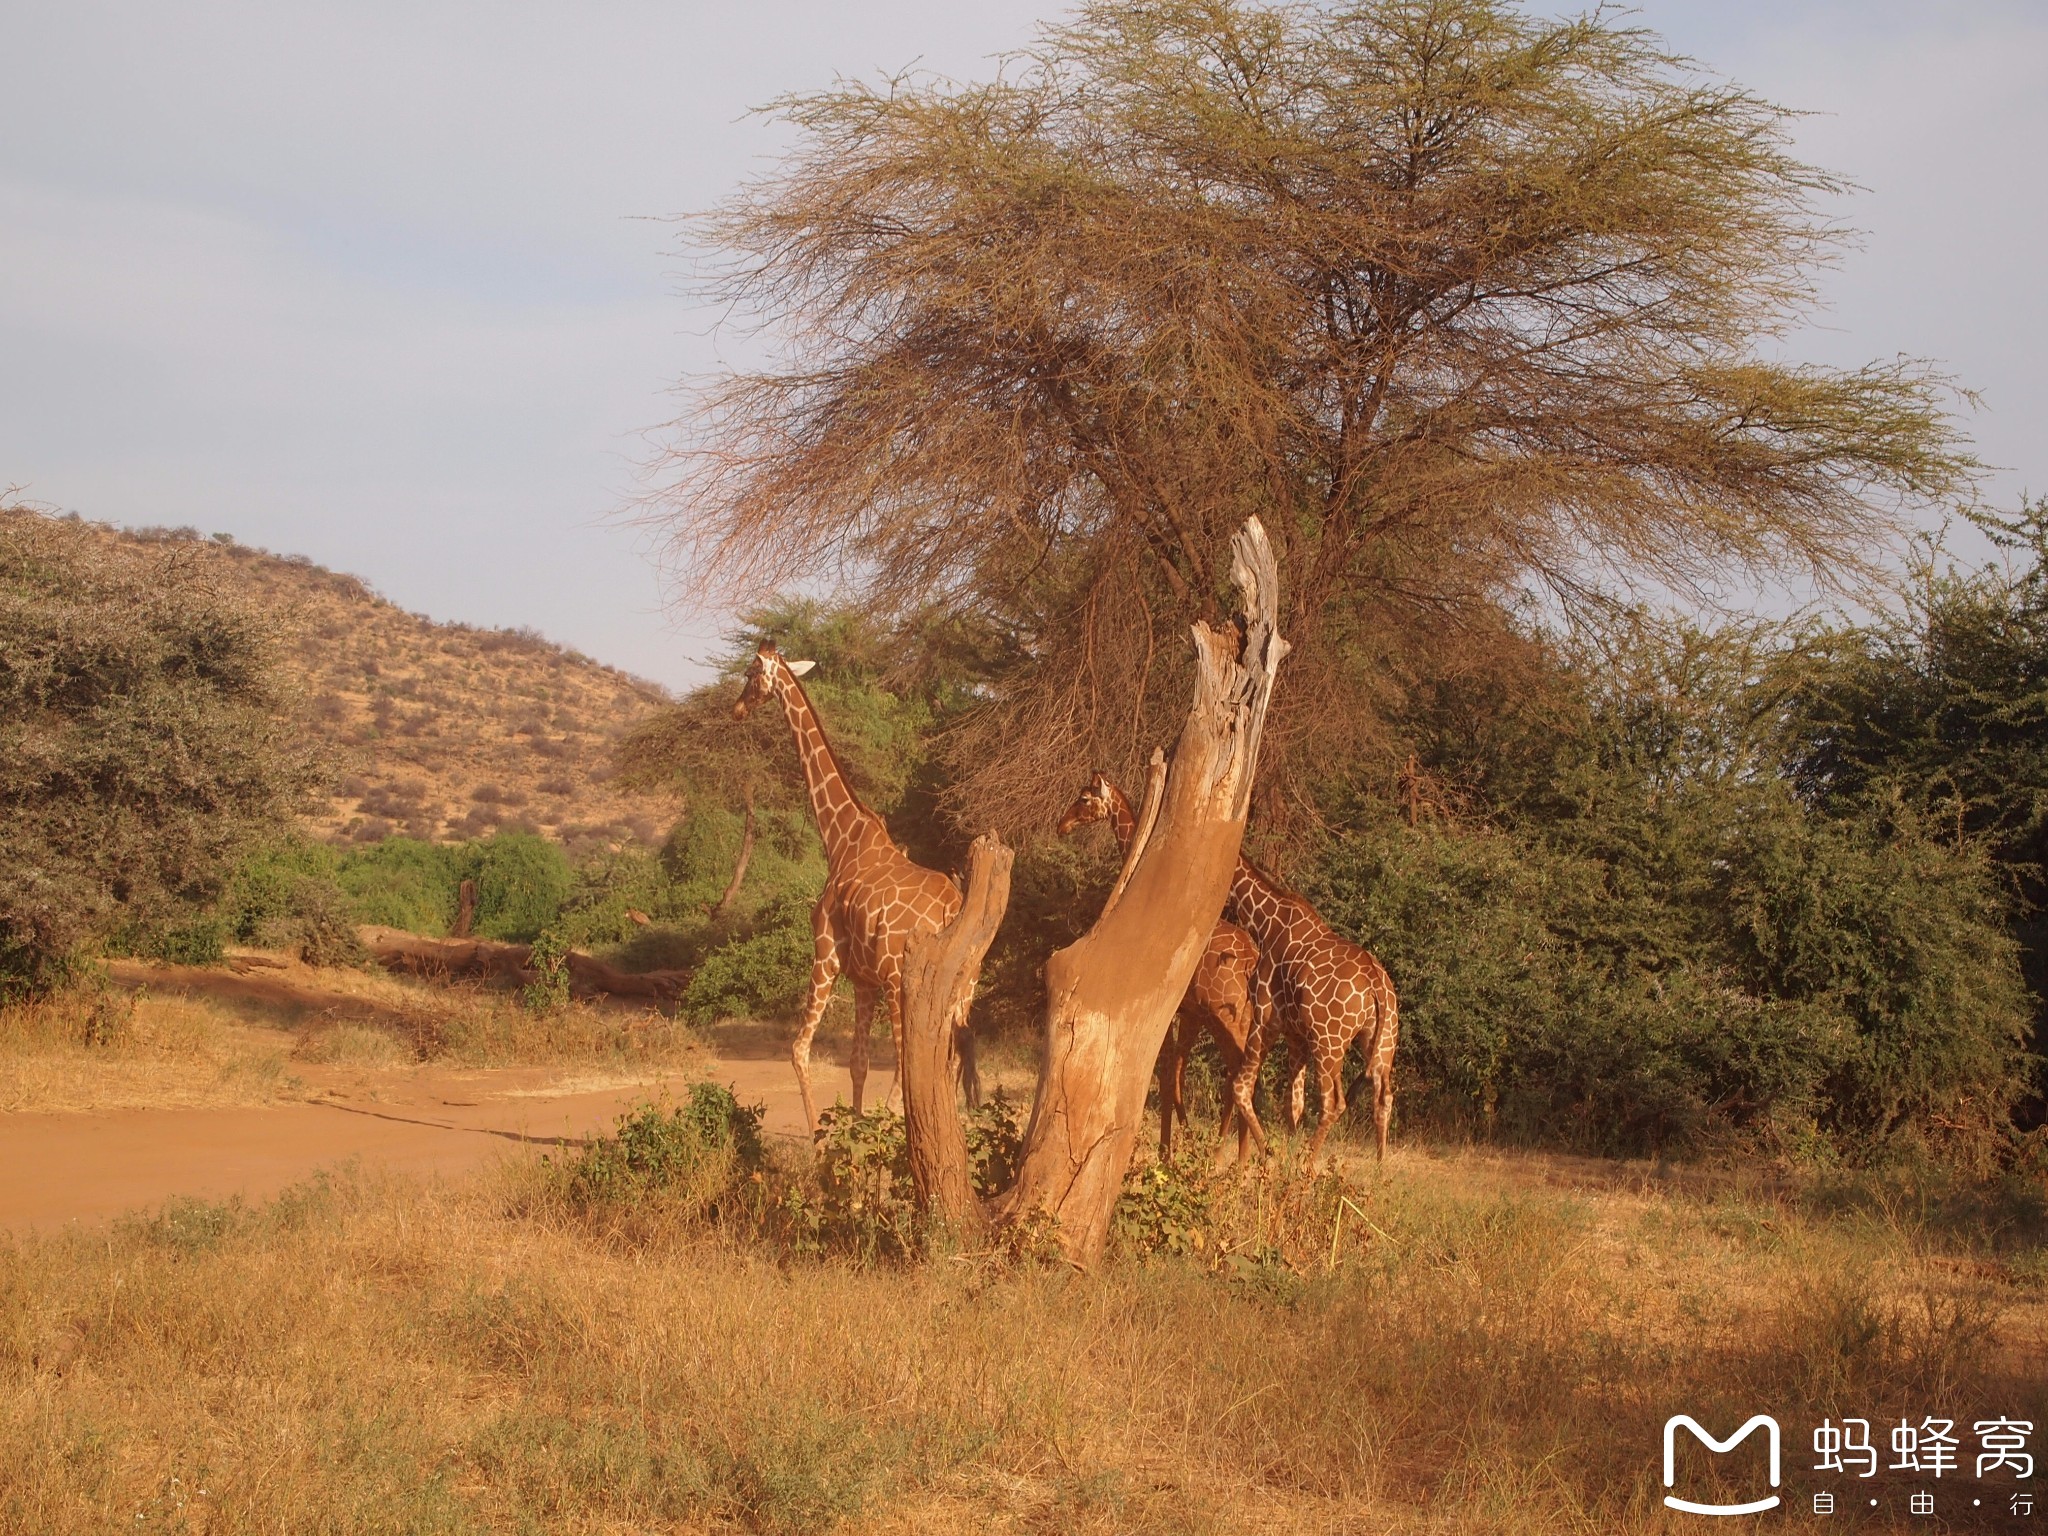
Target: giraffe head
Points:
(767, 677)
(1097, 802)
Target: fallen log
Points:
(410, 954)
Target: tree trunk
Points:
(1111, 995)
(939, 973)
(465, 910)
(739, 869)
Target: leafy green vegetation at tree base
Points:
(692, 1149)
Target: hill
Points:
(441, 731)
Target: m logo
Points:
(1755, 1506)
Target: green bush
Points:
(548, 959)
(609, 886)
(691, 1152)
(522, 881)
(1662, 947)
(764, 974)
(1899, 932)
(865, 1203)
(402, 882)
(1164, 1209)
(268, 885)
(995, 1144)
(199, 940)
(1536, 1005)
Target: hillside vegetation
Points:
(437, 731)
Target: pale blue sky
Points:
(385, 284)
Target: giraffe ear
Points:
(799, 668)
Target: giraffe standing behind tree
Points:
(1314, 984)
(1218, 1000)
(874, 899)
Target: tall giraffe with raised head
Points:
(874, 899)
(1219, 998)
(1316, 985)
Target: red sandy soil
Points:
(60, 1169)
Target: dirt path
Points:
(57, 1169)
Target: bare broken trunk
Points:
(465, 910)
(1111, 994)
(739, 868)
(939, 973)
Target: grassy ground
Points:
(115, 1052)
(1481, 1343)
(180, 1037)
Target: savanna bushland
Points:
(1718, 938)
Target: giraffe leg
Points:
(1297, 1086)
(1164, 1072)
(1232, 1031)
(1242, 1087)
(1189, 1035)
(1383, 1078)
(824, 972)
(1333, 1106)
(863, 1028)
(970, 1074)
(1232, 1060)
(892, 999)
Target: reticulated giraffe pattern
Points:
(1219, 997)
(874, 899)
(1314, 985)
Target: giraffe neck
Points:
(840, 816)
(1122, 821)
(1267, 914)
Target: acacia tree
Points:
(146, 739)
(1462, 303)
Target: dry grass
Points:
(180, 1037)
(91, 1052)
(1488, 1344)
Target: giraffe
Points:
(874, 899)
(1219, 998)
(1313, 982)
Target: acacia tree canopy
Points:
(146, 740)
(1461, 302)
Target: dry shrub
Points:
(348, 1043)
(103, 1047)
(480, 1028)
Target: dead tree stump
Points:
(1111, 994)
(939, 973)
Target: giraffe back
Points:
(878, 901)
(1327, 990)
